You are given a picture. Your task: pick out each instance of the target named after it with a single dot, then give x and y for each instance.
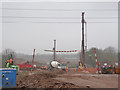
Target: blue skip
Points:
(7, 78)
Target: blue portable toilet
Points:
(7, 77)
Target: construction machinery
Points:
(108, 69)
(55, 64)
(26, 65)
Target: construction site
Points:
(82, 68)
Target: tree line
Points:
(107, 54)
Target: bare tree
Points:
(7, 54)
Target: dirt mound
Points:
(42, 80)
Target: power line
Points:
(58, 22)
(61, 9)
(105, 2)
(61, 17)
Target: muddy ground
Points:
(59, 79)
(41, 79)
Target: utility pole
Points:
(82, 59)
(54, 49)
(97, 63)
(33, 56)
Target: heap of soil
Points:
(42, 80)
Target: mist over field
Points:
(108, 54)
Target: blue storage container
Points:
(7, 78)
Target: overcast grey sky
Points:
(23, 28)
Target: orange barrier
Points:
(118, 70)
(74, 69)
(91, 70)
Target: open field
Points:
(60, 79)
